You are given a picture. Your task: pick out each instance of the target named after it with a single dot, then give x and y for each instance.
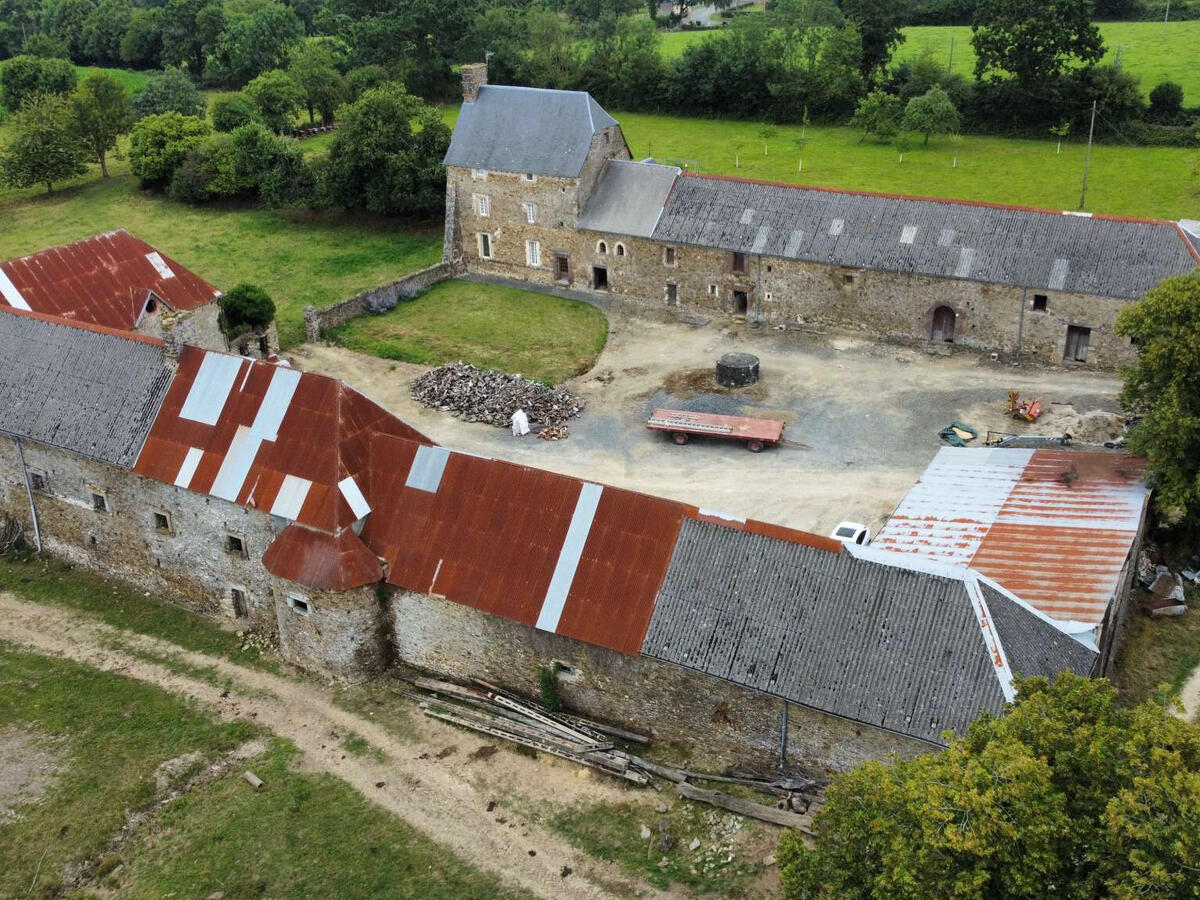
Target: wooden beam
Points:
(746, 808)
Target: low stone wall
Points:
(318, 322)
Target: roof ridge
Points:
(84, 326)
(983, 204)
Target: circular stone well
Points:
(737, 370)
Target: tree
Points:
(626, 69)
(66, 20)
(159, 144)
(45, 46)
(1033, 40)
(190, 29)
(24, 76)
(141, 45)
(277, 97)
(931, 113)
(387, 153)
(362, 79)
(102, 112)
(1166, 102)
(256, 42)
(879, 113)
(311, 63)
(878, 23)
(244, 307)
(1163, 387)
(1068, 794)
(104, 29)
(42, 147)
(231, 111)
(168, 91)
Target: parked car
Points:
(851, 533)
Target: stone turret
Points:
(474, 76)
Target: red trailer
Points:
(681, 424)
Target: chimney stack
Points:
(474, 76)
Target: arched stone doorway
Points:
(942, 327)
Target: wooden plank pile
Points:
(485, 395)
(490, 710)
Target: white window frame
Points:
(482, 237)
(619, 250)
(530, 213)
(294, 599)
(602, 248)
(533, 254)
(529, 178)
(712, 290)
(483, 205)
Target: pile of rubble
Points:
(484, 395)
(1165, 586)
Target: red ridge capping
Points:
(955, 200)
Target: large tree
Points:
(1068, 794)
(104, 29)
(256, 41)
(386, 155)
(42, 147)
(25, 76)
(102, 112)
(1033, 40)
(312, 63)
(278, 99)
(1163, 388)
(171, 90)
(878, 23)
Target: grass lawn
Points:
(493, 327)
(301, 836)
(1158, 651)
(298, 257)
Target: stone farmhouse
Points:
(117, 281)
(541, 188)
(250, 490)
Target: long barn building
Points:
(541, 188)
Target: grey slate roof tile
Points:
(1028, 248)
(90, 392)
(526, 130)
(1032, 645)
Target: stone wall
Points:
(199, 327)
(190, 561)
(711, 722)
(318, 322)
(341, 633)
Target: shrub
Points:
(362, 79)
(277, 97)
(25, 76)
(1166, 103)
(245, 307)
(551, 698)
(232, 111)
(159, 144)
(168, 91)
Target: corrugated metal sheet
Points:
(1055, 527)
(526, 130)
(322, 561)
(878, 644)
(1034, 646)
(628, 198)
(92, 391)
(950, 239)
(102, 280)
(261, 432)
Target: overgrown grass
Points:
(53, 582)
(1158, 652)
(110, 734)
(298, 257)
(539, 336)
(133, 80)
(612, 832)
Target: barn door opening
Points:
(562, 268)
(741, 302)
(1078, 339)
(942, 328)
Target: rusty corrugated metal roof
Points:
(1054, 527)
(321, 560)
(102, 280)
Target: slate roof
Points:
(1031, 642)
(1030, 248)
(527, 130)
(882, 644)
(87, 390)
(102, 280)
(628, 198)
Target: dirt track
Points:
(445, 799)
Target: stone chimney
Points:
(474, 76)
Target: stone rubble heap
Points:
(484, 395)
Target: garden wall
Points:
(318, 322)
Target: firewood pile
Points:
(485, 395)
(554, 433)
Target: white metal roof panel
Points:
(354, 496)
(9, 292)
(211, 388)
(290, 499)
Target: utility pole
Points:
(1087, 161)
(1166, 17)
(950, 63)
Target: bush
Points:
(278, 99)
(159, 144)
(25, 76)
(232, 111)
(168, 91)
(548, 681)
(362, 79)
(1166, 103)
(205, 173)
(245, 307)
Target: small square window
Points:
(299, 604)
(37, 481)
(712, 290)
(162, 523)
(1040, 302)
(99, 502)
(847, 278)
(235, 545)
(566, 672)
(529, 178)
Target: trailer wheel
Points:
(754, 446)
(679, 437)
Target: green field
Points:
(488, 326)
(1145, 50)
(1133, 181)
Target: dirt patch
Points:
(692, 383)
(30, 766)
(487, 751)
